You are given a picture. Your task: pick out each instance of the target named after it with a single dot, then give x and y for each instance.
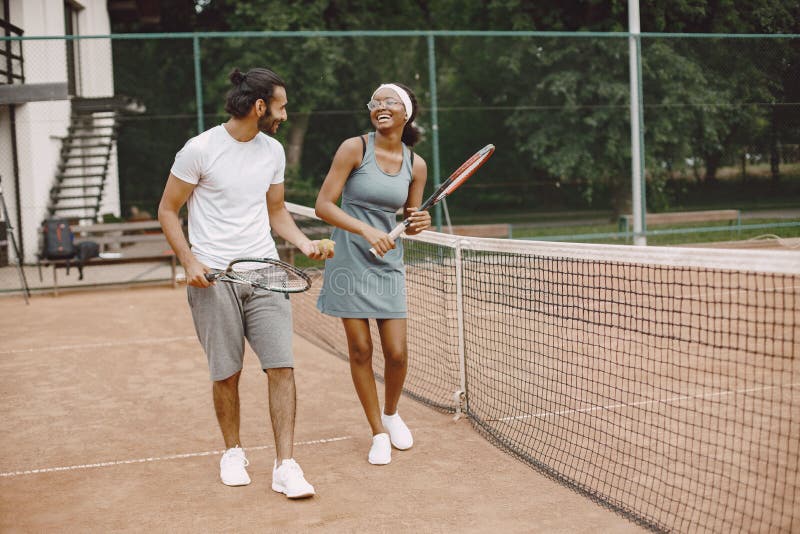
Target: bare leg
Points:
(359, 344)
(395, 354)
(226, 404)
(282, 409)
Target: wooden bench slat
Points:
(316, 229)
(123, 258)
(123, 239)
(669, 218)
(687, 216)
(482, 230)
(116, 227)
(677, 217)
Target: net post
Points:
(462, 399)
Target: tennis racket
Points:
(452, 183)
(264, 273)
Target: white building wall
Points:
(6, 156)
(97, 80)
(95, 54)
(42, 125)
(39, 125)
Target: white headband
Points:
(401, 93)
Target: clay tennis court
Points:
(670, 391)
(109, 427)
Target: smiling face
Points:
(275, 114)
(389, 111)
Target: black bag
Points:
(86, 250)
(58, 240)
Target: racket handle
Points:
(394, 234)
(211, 277)
(181, 279)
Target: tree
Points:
(556, 107)
(320, 71)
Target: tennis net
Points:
(663, 383)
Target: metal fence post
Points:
(198, 84)
(437, 214)
(637, 137)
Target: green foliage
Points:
(147, 143)
(557, 108)
(298, 189)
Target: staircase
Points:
(82, 173)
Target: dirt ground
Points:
(109, 427)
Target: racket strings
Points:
(466, 170)
(272, 278)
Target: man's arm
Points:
(176, 193)
(283, 224)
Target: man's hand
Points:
(317, 250)
(328, 247)
(196, 274)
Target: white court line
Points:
(157, 458)
(643, 403)
(99, 345)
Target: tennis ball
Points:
(327, 245)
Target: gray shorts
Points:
(226, 313)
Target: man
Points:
(232, 176)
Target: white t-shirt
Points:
(228, 215)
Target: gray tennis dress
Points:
(356, 283)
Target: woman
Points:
(375, 175)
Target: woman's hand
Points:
(420, 220)
(379, 241)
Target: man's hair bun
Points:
(237, 77)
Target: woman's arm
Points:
(347, 158)
(420, 220)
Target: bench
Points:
(123, 242)
(625, 222)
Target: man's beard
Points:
(265, 124)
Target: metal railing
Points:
(11, 58)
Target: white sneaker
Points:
(232, 468)
(381, 451)
(288, 479)
(398, 431)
